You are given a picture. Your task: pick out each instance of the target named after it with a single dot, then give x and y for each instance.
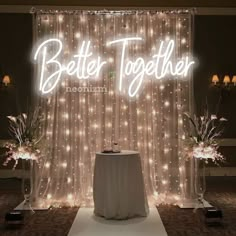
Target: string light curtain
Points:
(80, 123)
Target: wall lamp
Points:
(5, 82)
(226, 81)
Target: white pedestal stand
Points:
(30, 203)
(194, 204)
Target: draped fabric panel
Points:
(80, 123)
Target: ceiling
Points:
(125, 3)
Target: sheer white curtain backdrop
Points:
(80, 123)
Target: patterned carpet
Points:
(54, 222)
(178, 222)
(184, 222)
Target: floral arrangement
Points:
(203, 134)
(24, 130)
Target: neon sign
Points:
(85, 65)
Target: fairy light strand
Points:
(79, 124)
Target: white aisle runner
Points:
(86, 224)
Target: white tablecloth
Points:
(118, 188)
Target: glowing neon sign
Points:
(85, 65)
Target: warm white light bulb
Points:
(111, 60)
(167, 135)
(47, 164)
(183, 40)
(49, 132)
(61, 35)
(151, 32)
(176, 197)
(64, 164)
(166, 103)
(166, 150)
(82, 19)
(60, 18)
(62, 100)
(167, 38)
(77, 35)
(164, 182)
(108, 108)
(162, 87)
(155, 193)
(68, 148)
(140, 127)
(165, 167)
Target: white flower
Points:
(24, 115)
(12, 118)
(207, 152)
(223, 119)
(213, 117)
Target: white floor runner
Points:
(86, 224)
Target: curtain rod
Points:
(206, 11)
(113, 11)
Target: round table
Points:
(118, 188)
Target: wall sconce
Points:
(226, 81)
(225, 87)
(6, 80)
(215, 79)
(5, 83)
(234, 80)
